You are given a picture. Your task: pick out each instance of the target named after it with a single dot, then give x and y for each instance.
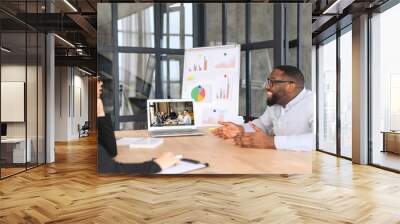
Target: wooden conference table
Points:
(222, 155)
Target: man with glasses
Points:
(288, 121)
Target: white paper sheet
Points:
(140, 142)
(211, 77)
(183, 167)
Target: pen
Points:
(190, 161)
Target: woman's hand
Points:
(167, 159)
(257, 139)
(100, 106)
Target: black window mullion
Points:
(157, 26)
(26, 87)
(317, 97)
(299, 38)
(198, 24)
(168, 80)
(114, 27)
(338, 98)
(369, 88)
(278, 35)
(258, 45)
(37, 91)
(247, 64)
(285, 35)
(45, 86)
(0, 91)
(134, 118)
(145, 50)
(182, 30)
(168, 42)
(167, 24)
(224, 25)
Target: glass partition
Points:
(15, 148)
(327, 96)
(22, 66)
(32, 98)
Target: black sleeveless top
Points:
(107, 150)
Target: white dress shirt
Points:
(187, 119)
(292, 125)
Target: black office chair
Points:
(84, 130)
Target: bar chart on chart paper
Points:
(199, 65)
(223, 91)
(212, 115)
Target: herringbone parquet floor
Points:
(70, 191)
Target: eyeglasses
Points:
(271, 82)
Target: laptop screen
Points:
(170, 113)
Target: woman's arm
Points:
(106, 138)
(107, 143)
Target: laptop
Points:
(171, 117)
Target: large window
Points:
(385, 84)
(144, 56)
(346, 93)
(143, 59)
(136, 25)
(334, 74)
(327, 96)
(177, 26)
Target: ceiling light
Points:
(65, 41)
(70, 5)
(84, 71)
(5, 50)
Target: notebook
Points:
(184, 166)
(140, 142)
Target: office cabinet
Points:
(391, 141)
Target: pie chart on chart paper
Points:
(198, 93)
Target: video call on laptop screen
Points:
(171, 114)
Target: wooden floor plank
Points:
(70, 191)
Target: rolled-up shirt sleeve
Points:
(264, 122)
(302, 142)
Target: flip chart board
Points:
(211, 78)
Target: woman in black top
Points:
(107, 150)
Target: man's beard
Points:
(272, 100)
